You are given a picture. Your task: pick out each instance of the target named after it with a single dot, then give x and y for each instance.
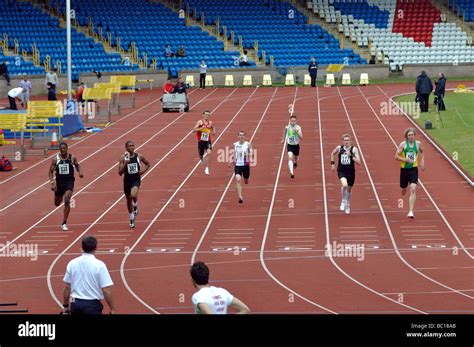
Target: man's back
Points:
(218, 299)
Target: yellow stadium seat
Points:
(307, 79)
(346, 79)
(364, 79)
(209, 81)
(290, 80)
(229, 80)
(267, 80)
(247, 80)
(190, 80)
(330, 80)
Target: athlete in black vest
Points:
(348, 155)
(62, 167)
(130, 165)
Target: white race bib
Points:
(292, 139)
(132, 168)
(411, 156)
(63, 169)
(345, 159)
(204, 136)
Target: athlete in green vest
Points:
(411, 155)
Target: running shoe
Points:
(411, 215)
(64, 227)
(132, 223)
(347, 210)
(292, 176)
(241, 201)
(343, 206)
(206, 170)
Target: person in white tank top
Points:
(209, 299)
(242, 156)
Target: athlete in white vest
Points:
(241, 157)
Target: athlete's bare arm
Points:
(356, 156)
(239, 306)
(52, 167)
(299, 132)
(204, 308)
(333, 153)
(77, 166)
(230, 158)
(147, 164)
(285, 130)
(122, 165)
(213, 129)
(198, 127)
(398, 156)
(250, 153)
(421, 155)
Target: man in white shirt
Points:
(87, 282)
(242, 156)
(13, 94)
(209, 299)
(244, 60)
(52, 78)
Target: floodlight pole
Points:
(69, 55)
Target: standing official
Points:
(313, 71)
(87, 282)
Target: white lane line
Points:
(381, 208)
(155, 218)
(82, 160)
(51, 291)
(326, 215)
(75, 144)
(267, 228)
(91, 183)
(466, 251)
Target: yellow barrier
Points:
(128, 82)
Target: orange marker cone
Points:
(54, 140)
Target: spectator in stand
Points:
(52, 77)
(14, 94)
(180, 87)
(439, 91)
(244, 60)
(51, 92)
(372, 60)
(202, 74)
(313, 71)
(25, 97)
(4, 72)
(424, 87)
(181, 52)
(168, 52)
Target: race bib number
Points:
(132, 168)
(240, 156)
(411, 156)
(204, 136)
(63, 169)
(345, 159)
(292, 139)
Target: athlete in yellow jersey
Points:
(411, 155)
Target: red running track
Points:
(268, 251)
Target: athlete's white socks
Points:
(132, 216)
(135, 204)
(343, 194)
(290, 165)
(348, 197)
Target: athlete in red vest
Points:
(204, 130)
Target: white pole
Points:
(69, 55)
